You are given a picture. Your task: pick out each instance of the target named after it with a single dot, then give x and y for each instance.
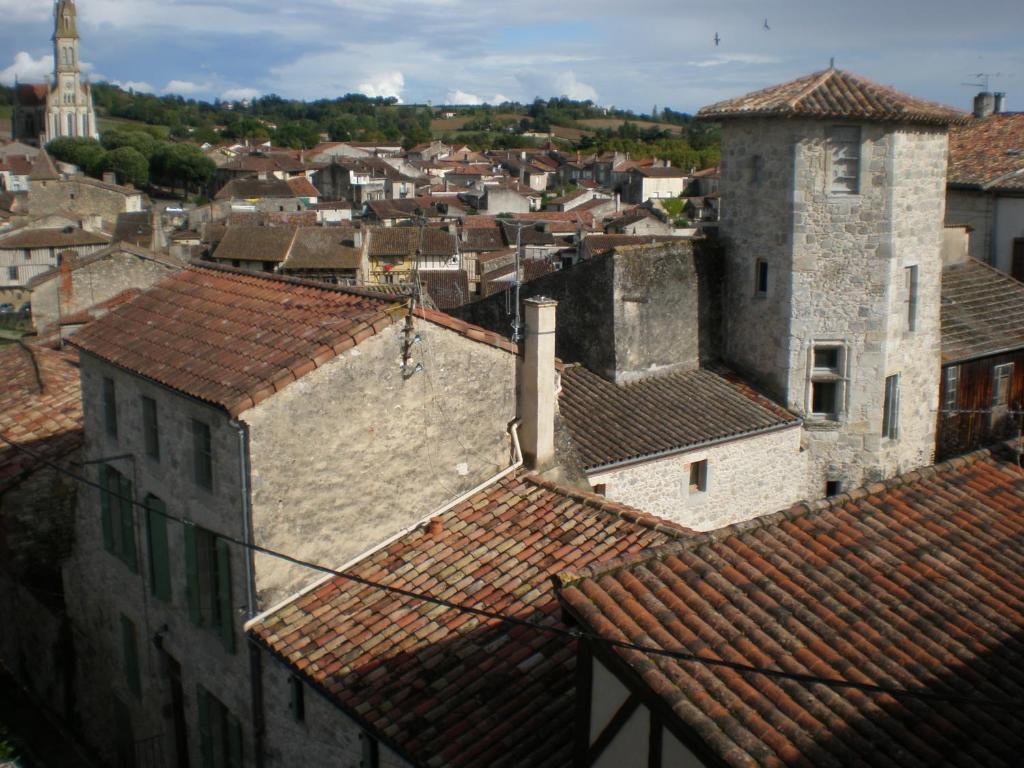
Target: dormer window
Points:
(844, 146)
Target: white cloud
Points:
(566, 84)
(385, 84)
(139, 86)
(237, 94)
(462, 98)
(27, 69)
(185, 87)
(733, 58)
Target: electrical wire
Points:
(571, 633)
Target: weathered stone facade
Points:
(334, 463)
(661, 486)
(83, 196)
(836, 276)
(77, 288)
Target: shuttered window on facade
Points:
(159, 555)
(220, 732)
(208, 582)
(130, 649)
(117, 515)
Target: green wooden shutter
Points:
(159, 558)
(227, 619)
(234, 742)
(192, 574)
(131, 655)
(128, 553)
(108, 528)
(205, 732)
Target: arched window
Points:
(71, 125)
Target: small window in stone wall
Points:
(698, 476)
(828, 377)
(761, 278)
(844, 149)
(833, 488)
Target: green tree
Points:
(129, 165)
(182, 165)
(87, 154)
(141, 141)
(297, 134)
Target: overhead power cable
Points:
(567, 632)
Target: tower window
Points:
(828, 377)
(910, 286)
(891, 408)
(761, 278)
(844, 146)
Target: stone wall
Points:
(661, 486)
(93, 283)
(83, 197)
(836, 276)
(324, 737)
(354, 451)
(100, 587)
(624, 315)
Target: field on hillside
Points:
(120, 123)
(615, 122)
(440, 125)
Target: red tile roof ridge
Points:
(468, 330)
(801, 509)
(321, 286)
(614, 508)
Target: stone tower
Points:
(833, 195)
(69, 106)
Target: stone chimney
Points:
(1000, 103)
(537, 385)
(984, 104)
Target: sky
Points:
(629, 55)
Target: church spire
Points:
(66, 23)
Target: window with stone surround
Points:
(110, 407)
(844, 150)
(117, 517)
(828, 379)
(220, 732)
(208, 583)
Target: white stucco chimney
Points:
(537, 387)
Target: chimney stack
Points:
(984, 104)
(1000, 103)
(537, 388)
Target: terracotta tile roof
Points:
(40, 408)
(661, 172)
(16, 165)
(244, 243)
(479, 221)
(982, 311)
(244, 189)
(302, 187)
(988, 153)
(52, 238)
(611, 423)
(599, 244)
(482, 239)
(405, 241)
(443, 687)
(259, 163)
(324, 248)
(910, 584)
(333, 205)
(834, 93)
(447, 288)
(134, 227)
(233, 338)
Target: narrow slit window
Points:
(761, 278)
(910, 279)
(891, 408)
(844, 144)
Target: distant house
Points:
(797, 639)
(81, 195)
(269, 195)
(14, 173)
(986, 185)
(394, 253)
(638, 221)
(28, 252)
(654, 183)
(81, 282)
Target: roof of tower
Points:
(67, 25)
(43, 168)
(833, 94)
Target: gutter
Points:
(598, 469)
(245, 471)
(517, 452)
